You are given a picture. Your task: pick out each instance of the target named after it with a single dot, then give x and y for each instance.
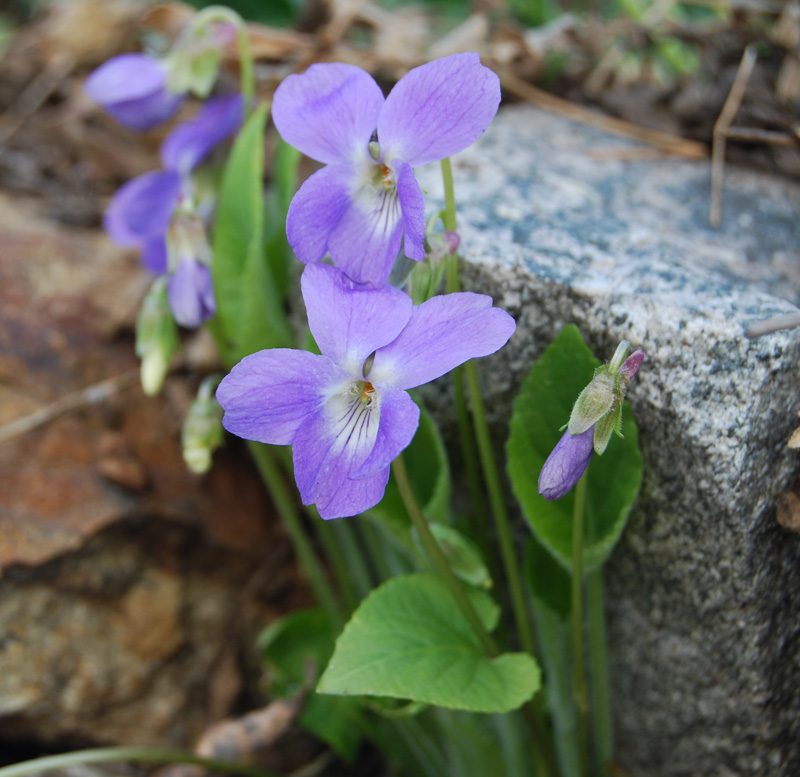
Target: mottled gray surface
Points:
(704, 590)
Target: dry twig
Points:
(664, 141)
(721, 128)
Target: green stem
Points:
(498, 505)
(140, 754)
(452, 285)
(338, 562)
(491, 475)
(579, 689)
(602, 734)
(306, 556)
(438, 558)
(449, 216)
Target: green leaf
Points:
(409, 640)
(541, 407)
(291, 646)
(250, 314)
(550, 585)
(284, 184)
(461, 553)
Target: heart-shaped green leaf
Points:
(543, 404)
(409, 640)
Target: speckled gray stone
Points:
(560, 226)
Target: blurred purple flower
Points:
(133, 89)
(347, 413)
(366, 201)
(573, 452)
(156, 211)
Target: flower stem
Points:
(498, 504)
(490, 473)
(306, 556)
(602, 735)
(220, 13)
(141, 754)
(579, 689)
(438, 558)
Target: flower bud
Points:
(133, 88)
(596, 414)
(202, 429)
(193, 63)
(565, 465)
(156, 337)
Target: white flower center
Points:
(354, 415)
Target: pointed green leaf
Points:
(409, 640)
(542, 405)
(250, 315)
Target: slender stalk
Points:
(453, 284)
(140, 754)
(247, 79)
(491, 475)
(306, 556)
(579, 689)
(438, 558)
(354, 554)
(336, 558)
(498, 505)
(602, 735)
(449, 216)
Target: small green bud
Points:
(202, 429)
(156, 337)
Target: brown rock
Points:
(127, 584)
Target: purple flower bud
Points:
(565, 465)
(133, 89)
(631, 365)
(451, 241)
(191, 293)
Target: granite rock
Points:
(564, 224)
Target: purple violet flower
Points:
(366, 201)
(569, 459)
(157, 212)
(347, 413)
(133, 89)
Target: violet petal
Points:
(142, 209)
(329, 447)
(412, 205)
(329, 112)
(315, 211)
(191, 293)
(191, 142)
(133, 89)
(154, 255)
(566, 463)
(443, 332)
(438, 109)
(367, 239)
(269, 394)
(399, 420)
(348, 321)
